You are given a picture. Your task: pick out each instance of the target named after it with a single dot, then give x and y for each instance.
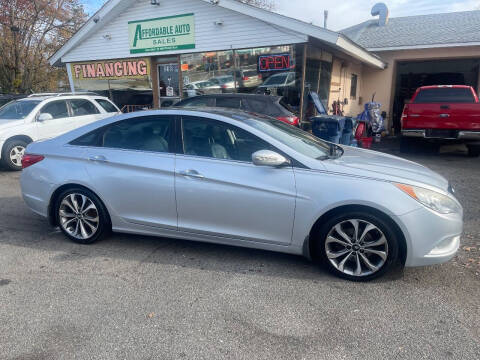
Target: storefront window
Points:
(124, 81)
(267, 70)
(207, 73)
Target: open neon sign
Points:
(274, 62)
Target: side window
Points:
(82, 107)
(58, 109)
(151, 133)
(215, 139)
(228, 102)
(107, 105)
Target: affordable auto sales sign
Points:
(162, 34)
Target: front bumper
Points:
(448, 134)
(432, 238)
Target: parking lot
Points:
(135, 297)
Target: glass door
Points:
(168, 84)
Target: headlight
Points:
(431, 199)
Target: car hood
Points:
(9, 123)
(373, 164)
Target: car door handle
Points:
(191, 173)
(444, 106)
(98, 158)
(444, 115)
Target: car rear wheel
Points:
(82, 216)
(12, 154)
(357, 246)
(473, 150)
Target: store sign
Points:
(111, 69)
(274, 62)
(162, 34)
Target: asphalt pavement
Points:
(136, 297)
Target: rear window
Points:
(444, 95)
(266, 107)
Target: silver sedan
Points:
(237, 179)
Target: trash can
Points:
(347, 133)
(328, 127)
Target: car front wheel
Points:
(82, 216)
(357, 246)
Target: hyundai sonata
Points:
(238, 179)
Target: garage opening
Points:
(410, 75)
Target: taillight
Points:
(259, 76)
(224, 86)
(245, 78)
(30, 159)
(403, 119)
(292, 120)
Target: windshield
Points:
(278, 79)
(17, 109)
(299, 140)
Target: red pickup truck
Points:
(444, 112)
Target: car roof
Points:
(235, 114)
(444, 86)
(61, 97)
(260, 96)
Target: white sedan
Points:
(233, 178)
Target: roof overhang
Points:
(419, 47)
(114, 7)
(107, 12)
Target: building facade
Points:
(145, 55)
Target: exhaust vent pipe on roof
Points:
(325, 18)
(382, 10)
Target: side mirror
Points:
(45, 117)
(269, 158)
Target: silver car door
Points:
(221, 192)
(132, 169)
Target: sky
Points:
(344, 13)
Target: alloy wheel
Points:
(16, 155)
(356, 247)
(79, 216)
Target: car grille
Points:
(441, 133)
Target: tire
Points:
(473, 150)
(407, 145)
(12, 153)
(81, 216)
(340, 257)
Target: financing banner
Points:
(135, 68)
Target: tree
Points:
(31, 31)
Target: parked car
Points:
(226, 82)
(6, 98)
(277, 82)
(443, 113)
(42, 116)
(201, 87)
(229, 177)
(248, 78)
(273, 106)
